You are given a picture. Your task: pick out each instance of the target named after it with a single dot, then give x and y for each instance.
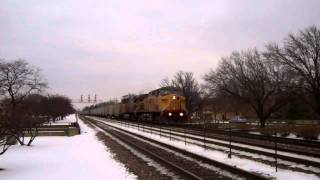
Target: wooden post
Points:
(204, 137)
(229, 155)
(185, 137)
(142, 127)
(276, 150)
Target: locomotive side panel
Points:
(151, 104)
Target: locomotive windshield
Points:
(165, 91)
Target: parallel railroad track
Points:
(283, 140)
(196, 136)
(185, 167)
(267, 143)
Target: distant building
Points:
(218, 111)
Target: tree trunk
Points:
(33, 135)
(31, 140)
(262, 123)
(260, 114)
(21, 142)
(317, 108)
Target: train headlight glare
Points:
(170, 114)
(173, 97)
(181, 114)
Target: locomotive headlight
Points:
(170, 114)
(173, 97)
(181, 114)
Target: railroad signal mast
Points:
(85, 101)
(89, 100)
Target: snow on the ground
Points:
(69, 119)
(254, 132)
(77, 157)
(245, 164)
(66, 121)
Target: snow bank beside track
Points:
(78, 157)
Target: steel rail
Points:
(232, 169)
(245, 149)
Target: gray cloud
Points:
(115, 47)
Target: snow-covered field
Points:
(77, 157)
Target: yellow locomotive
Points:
(161, 105)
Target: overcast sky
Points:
(113, 47)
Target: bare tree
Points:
(33, 111)
(2, 81)
(165, 82)
(3, 138)
(36, 107)
(58, 106)
(18, 80)
(301, 53)
(24, 123)
(15, 126)
(31, 125)
(224, 103)
(253, 79)
(188, 85)
(3, 130)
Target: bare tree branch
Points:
(253, 79)
(301, 54)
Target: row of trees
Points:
(264, 80)
(52, 107)
(22, 108)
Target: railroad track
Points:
(314, 146)
(301, 142)
(309, 148)
(207, 141)
(186, 164)
(266, 144)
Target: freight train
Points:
(164, 105)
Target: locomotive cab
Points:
(171, 104)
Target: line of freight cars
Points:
(161, 105)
